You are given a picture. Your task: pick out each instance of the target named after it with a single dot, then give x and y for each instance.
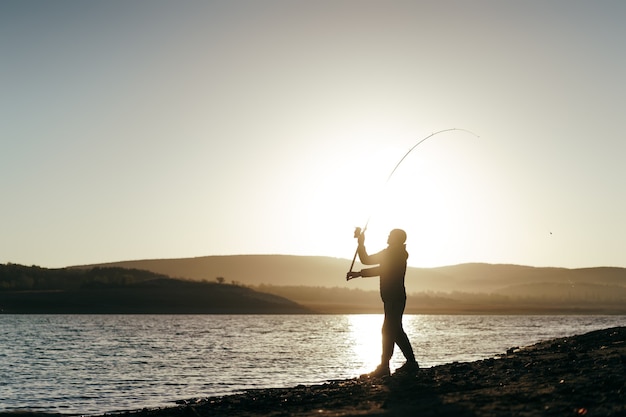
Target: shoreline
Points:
(571, 376)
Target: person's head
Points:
(396, 237)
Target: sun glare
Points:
(344, 191)
(430, 196)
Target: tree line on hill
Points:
(117, 290)
(15, 277)
(556, 299)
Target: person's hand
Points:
(352, 274)
(361, 239)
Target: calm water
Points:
(97, 364)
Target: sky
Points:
(156, 129)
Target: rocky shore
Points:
(583, 375)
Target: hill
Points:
(316, 271)
(319, 283)
(127, 291)
(251, 269)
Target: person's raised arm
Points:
(364, 257)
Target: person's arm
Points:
(364, 257)
(365, 273)
(370, 272)
(367, 260)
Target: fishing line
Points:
(360, 230)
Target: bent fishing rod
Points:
(358, 231)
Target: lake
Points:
(93, 364)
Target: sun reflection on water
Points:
(366, 341)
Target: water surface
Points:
(84, 364)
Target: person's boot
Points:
(409, 368)
(381, 371)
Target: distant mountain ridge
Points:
(271, 284)
(319, 271)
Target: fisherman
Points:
(391, 269)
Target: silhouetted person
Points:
(391, 269)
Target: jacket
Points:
(391, 269)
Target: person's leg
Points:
(392, 334)
(400, 337)
(388, 333)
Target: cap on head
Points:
(397, 237)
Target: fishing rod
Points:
(358, 231)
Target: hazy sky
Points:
(159, 129)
